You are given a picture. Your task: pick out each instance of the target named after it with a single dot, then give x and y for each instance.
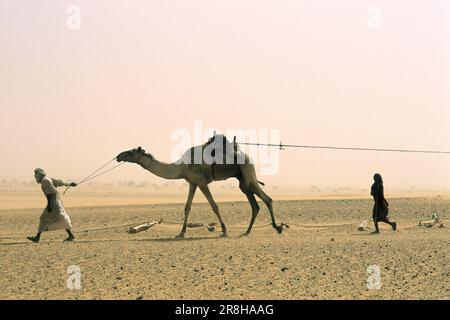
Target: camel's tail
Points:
(261, 183)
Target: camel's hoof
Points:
(180, 236)
(279, 229)
(375, 232)
(224, 235)
(394, 226)
(34, 239)
(244, 235)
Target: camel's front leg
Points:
(215, 208)
(187, 208)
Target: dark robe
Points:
(381, 206)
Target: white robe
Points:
(58, 218)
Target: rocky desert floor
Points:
(322, 255)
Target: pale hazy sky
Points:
(137, 71)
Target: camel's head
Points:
(132, 155)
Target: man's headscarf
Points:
(39, 171)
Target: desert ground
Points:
(321, 255)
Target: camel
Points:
(203, 173)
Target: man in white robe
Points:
(54, 217)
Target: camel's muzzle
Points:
(120, 157)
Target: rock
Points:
(430, 223)
(194, 225)
(363, 226)
(143, 227)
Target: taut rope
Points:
(93, 175)
(281, 146)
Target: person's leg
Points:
(36, 238)
(392, 224)
(375, 219)
(71, 236)
(375, 222)
(385, 219)
(41, 228)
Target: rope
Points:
(287, 225)
(213, 225)
(281, 146)
(168, 222)
(102, 173)
(93, 176)
(85, 179)
(267, 225)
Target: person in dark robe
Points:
(381, 206)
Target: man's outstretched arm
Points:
(62, 183)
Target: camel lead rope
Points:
(91, 176)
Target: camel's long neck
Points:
(161, 169)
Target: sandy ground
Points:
(30, 196)
(321, 255)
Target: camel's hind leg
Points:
(252, 185)
(214, 206)
(268, 201)
(254, 205)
